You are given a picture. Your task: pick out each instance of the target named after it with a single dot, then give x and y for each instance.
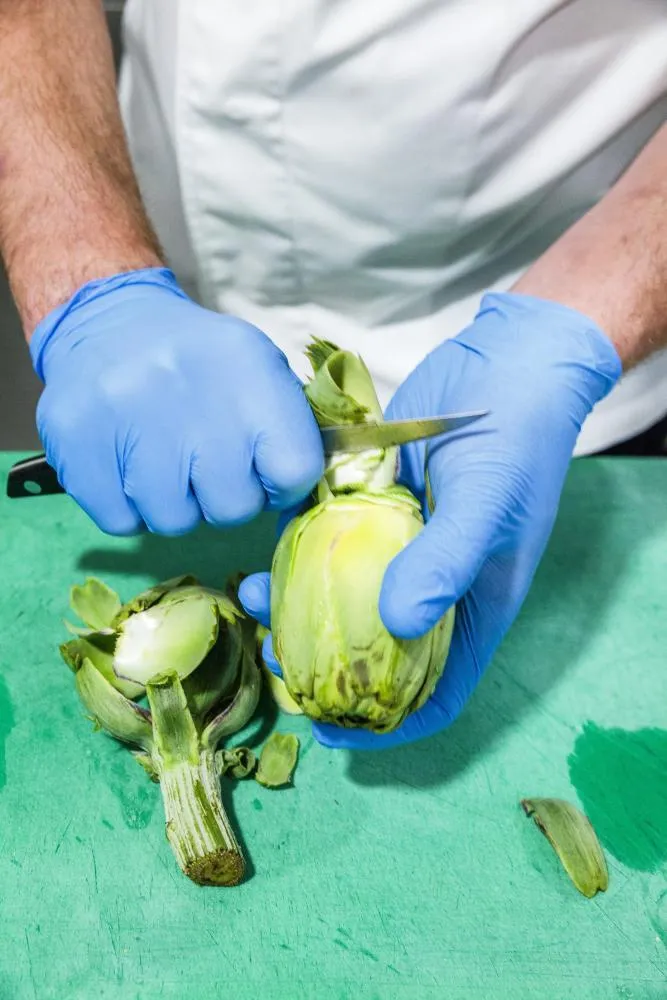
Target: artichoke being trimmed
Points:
(191, 652)
(339, 662)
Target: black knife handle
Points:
(32, 477)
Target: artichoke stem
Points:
(198, 830)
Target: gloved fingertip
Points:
(255, 596)
(269, 658)
(407, 611)
(120, 520)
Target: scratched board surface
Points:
(411, 874)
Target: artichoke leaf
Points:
(112, 711)
(277, 760)
(238, 762)
(95, 603)
(573, 838)
(240, 710)
(217, 675)
(168, 636)
(152, 596)
(98, 647)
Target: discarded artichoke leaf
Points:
(94, 603)
(277, 760)
(574, 840)
(238, 762)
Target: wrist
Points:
(61, 277)
(610, 264)
(117, 286)
(80, 221)
(558, 335)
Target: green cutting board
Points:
(405, 875)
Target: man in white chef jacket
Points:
(471, 194)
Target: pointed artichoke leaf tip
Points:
(318, 351)
(342, 391)
(95, 603)
(71, 654)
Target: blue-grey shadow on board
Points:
(210, 554)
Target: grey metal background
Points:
(19, 387)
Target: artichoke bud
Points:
(191, 651)
(339, 662)
(177, 626)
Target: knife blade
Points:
(391, 433)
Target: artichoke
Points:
(190, 652)
(339, 662)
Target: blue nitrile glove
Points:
(539, 368)
(157, 412)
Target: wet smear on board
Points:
(621, 779)
(6, 726)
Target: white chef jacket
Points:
(363, 170)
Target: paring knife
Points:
(35, 477)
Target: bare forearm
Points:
(70, 210)
(612, 264)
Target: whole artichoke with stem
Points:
(338, 661)
(190, 652)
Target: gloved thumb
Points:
(436, 569)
